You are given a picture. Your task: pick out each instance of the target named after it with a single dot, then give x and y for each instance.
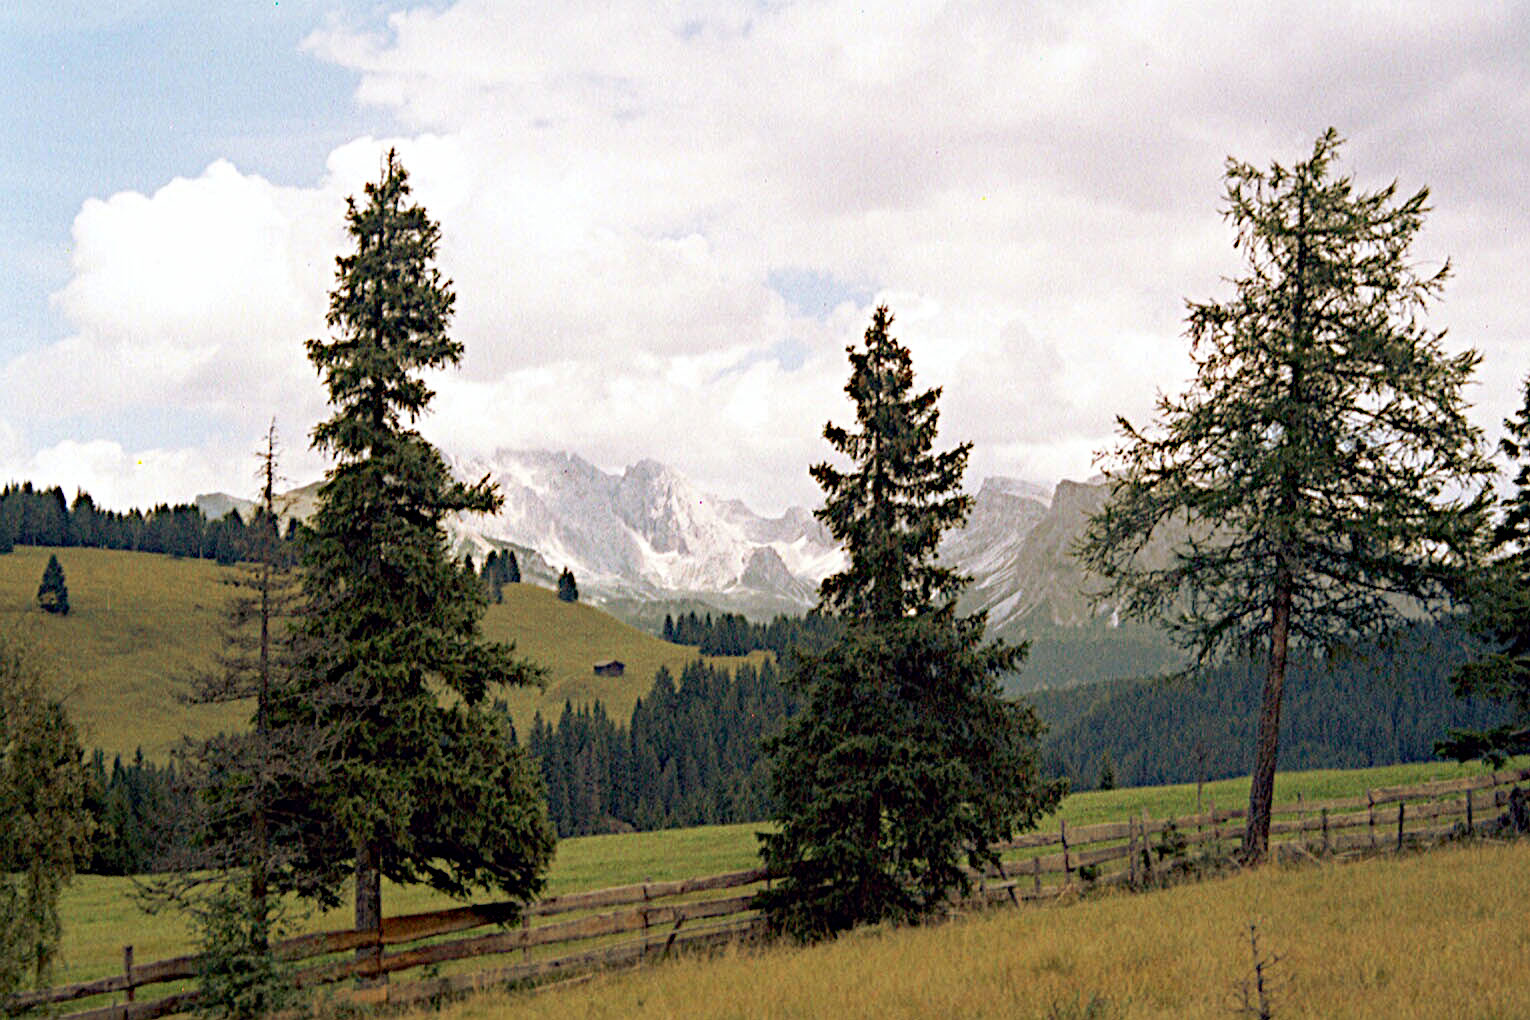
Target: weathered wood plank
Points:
(177, 1003)
(1030, 841)
(628, 952)
(67, 993)
(1081, 835)
(1092, 858)
(578, 929)
(643, 892)
(175, 968)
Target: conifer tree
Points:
(1499, 597)
(250, 789)
(904, 761)
(44, 825)
(1322, 457)
(568, 590)
(53, 593)
(420, 790)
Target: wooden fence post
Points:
(127, 970)
(1327, 846)
(1131, 850)
(1370, 824)
(1301, 821)
(1469, 829)
(1400, 811)
(1062, 829)
(1147, 848)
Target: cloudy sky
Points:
(664, 222)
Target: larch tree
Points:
(426, 785)
(45, 824)
(905, 761)
(1320, 473)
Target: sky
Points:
(664, 222)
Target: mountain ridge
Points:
(650, 535)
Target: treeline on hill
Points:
(134, 808)
(30, 516)
(1378, 705)
(733, 634)
(689, 755)
(1058, 656)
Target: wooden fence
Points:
(613, 927)
(1137, 849)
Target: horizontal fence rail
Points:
(626, 924)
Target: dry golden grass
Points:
(1436, 934)
(139, 623)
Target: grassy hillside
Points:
(139, 622)
(569, 638)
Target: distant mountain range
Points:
(649, 538)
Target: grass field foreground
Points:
(1435, 934)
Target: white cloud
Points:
(1034, 189)
(119, 479)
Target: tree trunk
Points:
(1261, 791)
(369, 908)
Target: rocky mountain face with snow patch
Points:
(649, 535)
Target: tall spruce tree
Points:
(904, 761)
(1499, 597)
(426, 785)
(1321, 469)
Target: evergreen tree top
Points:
(390, 308)
(892, 507)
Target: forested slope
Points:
(1373, 706)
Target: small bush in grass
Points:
(240, 977)
(1096, 1007)
(1255, 993)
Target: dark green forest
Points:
(33, 516)
(689, 754)
(1377, 705)
(735, 634)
